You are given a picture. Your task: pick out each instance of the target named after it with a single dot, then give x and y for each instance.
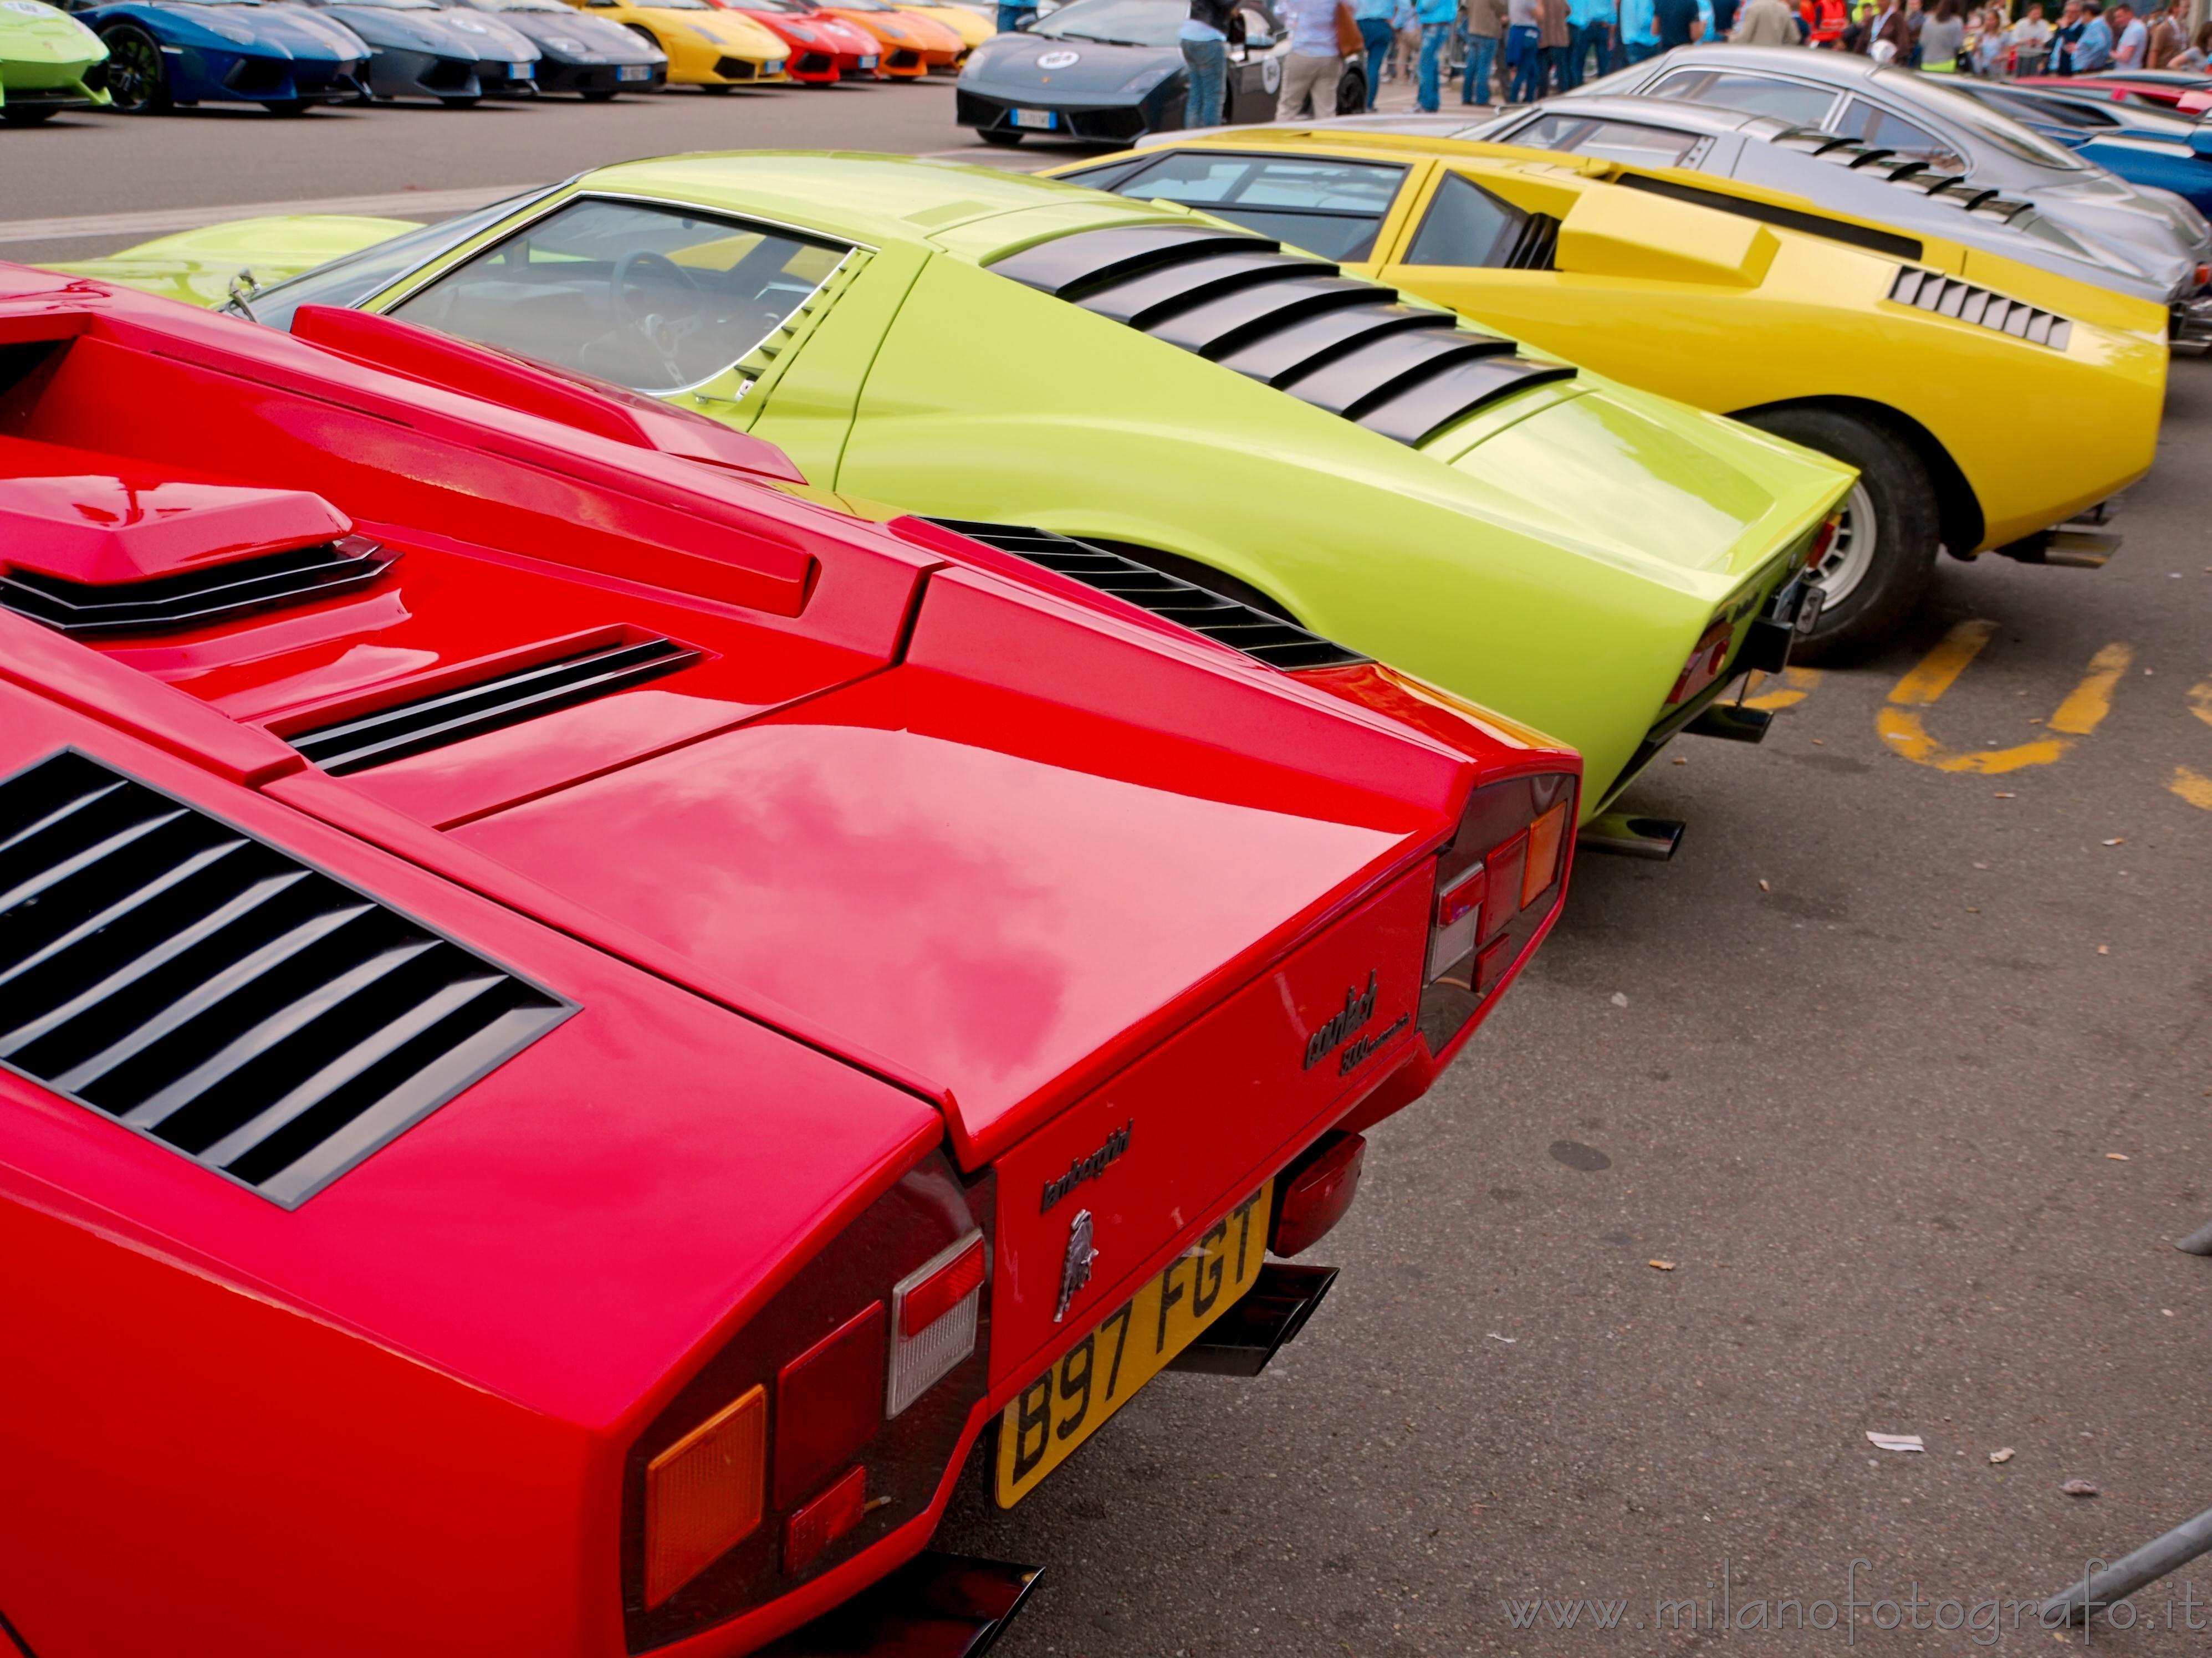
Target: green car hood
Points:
(196, 266)
(31, 32)
(1556, 555)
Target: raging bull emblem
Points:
(1075, 1269)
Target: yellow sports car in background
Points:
(1988, 404)
(707, 46)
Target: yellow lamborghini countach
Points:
(1941, 372)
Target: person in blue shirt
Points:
(2093, 51)
(1639, 31)
(1436, 18)
(1376, 33)
(1589, 34)
(1016, 16)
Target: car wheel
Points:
(1352, 92)
(999, 135)
(460, 103)
(136, 80)
(20, 117)
(1879, 565)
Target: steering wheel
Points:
(640, 259)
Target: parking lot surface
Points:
(1877, 1110)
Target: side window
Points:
(1612, 141)
(1466, 226)
(655, 299)
(1753, 94)
(1883, 130)
(1330, 208)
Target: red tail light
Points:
(1705, 663)
(808, 1534)
(829, 1420)
(828, 1403)
(1823, 538)
(1500, 877)
(1315, 1193)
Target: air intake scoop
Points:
(105, 530)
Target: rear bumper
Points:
(936, 1606)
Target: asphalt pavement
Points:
(1877, 1110)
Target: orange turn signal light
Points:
(704, 1494)
(1546, 835)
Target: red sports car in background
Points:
(824, 48)
(579, 1028)
(2187, 91)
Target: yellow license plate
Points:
(1130, 1345)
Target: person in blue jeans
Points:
(1589, 34)
(1436, 18)
(1205, 38)
(1015, 17)
(1377, 35)
(1486, 28)
(1639, 31)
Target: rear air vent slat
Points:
(1267, 638)
(1289, 321)
(1859, 156)
(194, 599)
(429, 722)
(1947, 296)
(215, 994)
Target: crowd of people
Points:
(1518, 51)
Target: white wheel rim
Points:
(1850, 555)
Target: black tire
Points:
(999, 135)
(1352, 92)
(21, 116)
(1907, 526)
(600, 95)
(461, 103)
(136, 80)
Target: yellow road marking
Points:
(2194, 786)
(1798, 682)
(2083, 710)
(2200, 701)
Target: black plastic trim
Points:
(194, 599)
(1347, 346)
(424, 723)
(1783, 218)
(1264, 638)
(213, 993)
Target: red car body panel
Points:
(2189, 95)
(926, 854)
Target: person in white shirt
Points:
(1315, 62)
(2130, 38)
(2030, 39)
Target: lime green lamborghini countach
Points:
(48, 64)
(1595, 563)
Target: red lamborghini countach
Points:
(579, 1031)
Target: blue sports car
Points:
(164, 53)
(2144, 144)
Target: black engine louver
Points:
(222, 997)
(1905, 172)
(1346, 346)
(1269, 638)
(1947, 296)
(195, 598)
(430, 722)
